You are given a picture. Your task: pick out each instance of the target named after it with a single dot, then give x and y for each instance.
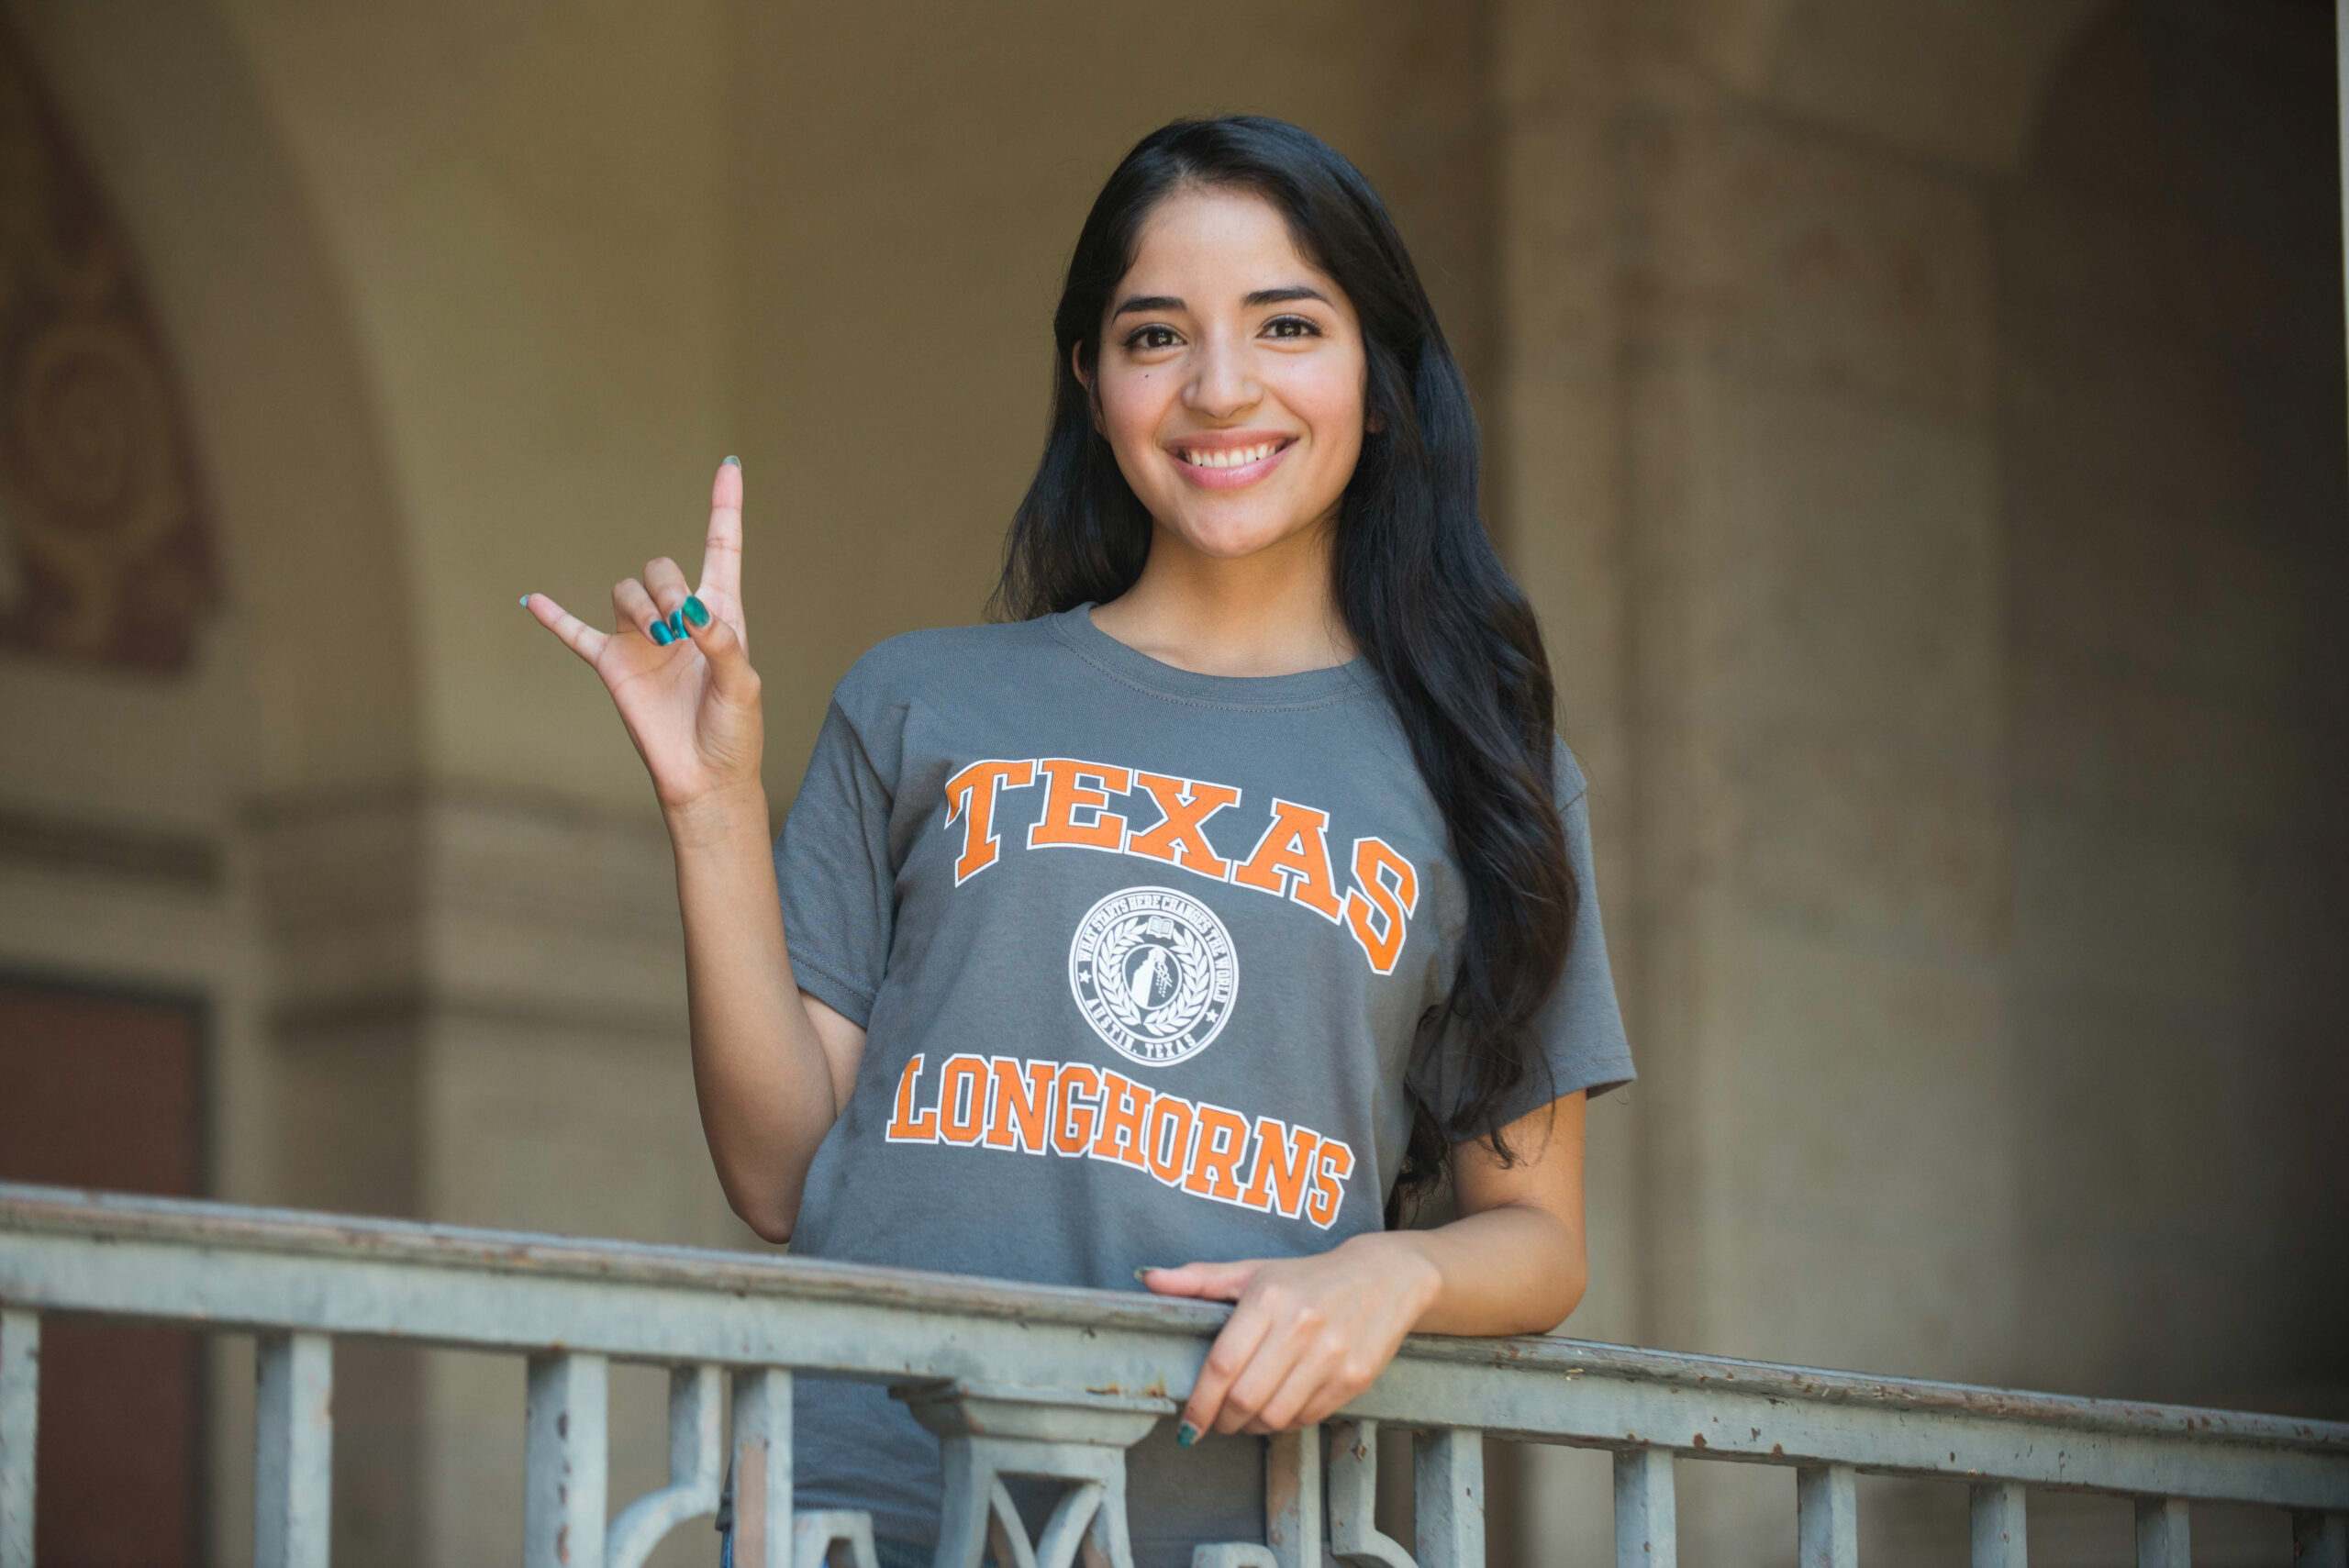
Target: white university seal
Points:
(1153, 973)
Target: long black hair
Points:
(1425, 597)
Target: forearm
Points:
(1514, 1269)
(765, 1085)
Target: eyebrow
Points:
(1260, 297)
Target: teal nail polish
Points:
(676, 623)
(1185, 1435)
(662, 635)
(735, 461)
(695, 610)
(526, 601)
(1142, 1275)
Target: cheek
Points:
(1328, 398)
(1131, 407)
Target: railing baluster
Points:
(19, 1431)
(293, 1451)
(1647, 1534)
(697, 1464)
(1827, 1512)
(1293, 1497)
(567, 1456)
(2319, 1541)
(1354, 1534)
(2162, 1533)
(762, 1529)
(1448, 1489)
(1998, 1515)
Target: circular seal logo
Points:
(1153, 973)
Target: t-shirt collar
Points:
(1305, 688)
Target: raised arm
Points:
(772, 1064)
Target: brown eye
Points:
(1291, 326)
(1146, 337)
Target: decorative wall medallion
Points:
(104, 556)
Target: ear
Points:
(1092, 394)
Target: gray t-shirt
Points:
(1141, 955)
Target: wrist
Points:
(725, 817)
(1404, 1256)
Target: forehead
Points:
(1207, 243)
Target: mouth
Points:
(1222, 462)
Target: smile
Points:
(1229, 466)
(1229, 457)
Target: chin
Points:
(1234, 539)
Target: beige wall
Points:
(1956, 771)
(2171, 388)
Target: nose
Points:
(1223, 379)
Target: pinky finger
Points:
(581, 637)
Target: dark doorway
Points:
(101, 1090)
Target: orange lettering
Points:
(904, 1125)
(1293, 858)
(1388, 890)
(970, 795)
(1125, 1120)
(962, 1099)
(1223, 1144)
(1023, 1105)
(1170, 1138)
(1284, 1164)
(1075, 787)
(1329, 1173)
(1180, 838)
(1079, 1108)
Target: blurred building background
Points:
(1920, 422)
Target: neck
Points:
(1272, 612)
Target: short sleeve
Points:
(832, 867)
(1579, 1030)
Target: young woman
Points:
(1181, 927)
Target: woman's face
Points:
(1230, 377)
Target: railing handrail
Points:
(233, 1266)
(310, 1233)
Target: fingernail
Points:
(735, 461)
(526, 601)
(662, 635)
(695, 610)
(1142, 1275)
(676, 623)
(1185, 1435)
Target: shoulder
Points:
(892, 672)
(1568, 783)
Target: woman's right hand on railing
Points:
(678, 668)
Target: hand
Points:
(690, 702)
(1309, 1335)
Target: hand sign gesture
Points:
(677, 665)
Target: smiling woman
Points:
(1337, 934)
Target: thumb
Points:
(730, 662)
(1209, 1282)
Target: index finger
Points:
(721, 553)
(1243, 1333)
(584, 639)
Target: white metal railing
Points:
(1054, 1382)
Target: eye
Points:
(1155, 336)
(1291, 326)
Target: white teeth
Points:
(1237, 456)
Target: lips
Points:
(1227, 461)
(1229, 457)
